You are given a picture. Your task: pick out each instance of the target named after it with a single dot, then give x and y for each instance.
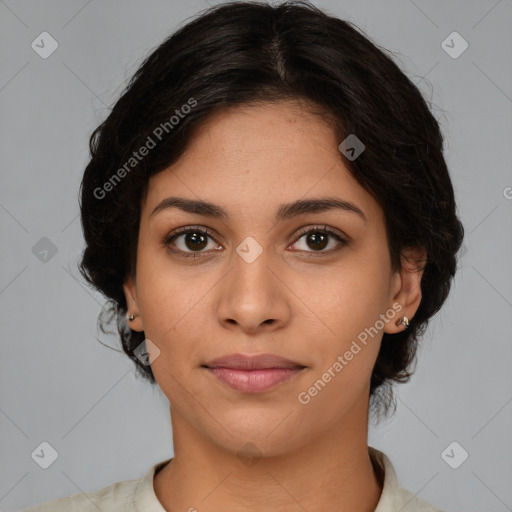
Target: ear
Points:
(406, 287)
(130, 293)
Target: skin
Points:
(310, 456)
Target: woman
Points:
(268, 210)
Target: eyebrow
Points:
(284, 212)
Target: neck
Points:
(331, 472)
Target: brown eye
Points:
(315, 240)
(189, 242)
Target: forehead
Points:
(260, 156)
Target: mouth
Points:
(253, 373)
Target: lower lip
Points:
(253, 381)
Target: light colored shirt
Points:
(139, 495)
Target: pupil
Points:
(198, 241)
(319, 240)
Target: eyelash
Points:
(168, 239)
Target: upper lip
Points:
(252, 362)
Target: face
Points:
(266, 277)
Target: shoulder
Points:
(128, 496)
(394, 497)
(412, 503)
(107, 499)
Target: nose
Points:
(252, 297)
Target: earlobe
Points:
(407, 291)
(132, 307)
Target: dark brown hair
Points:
(244, 52)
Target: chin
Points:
(260, 433)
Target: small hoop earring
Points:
(130, 317)
(403, 321)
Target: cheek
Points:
(353, 298)
(349, 309)
(172, 302)
(347, 297)
(163, 292)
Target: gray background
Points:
(60, 385)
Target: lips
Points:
(253, 373)
(252, 362)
